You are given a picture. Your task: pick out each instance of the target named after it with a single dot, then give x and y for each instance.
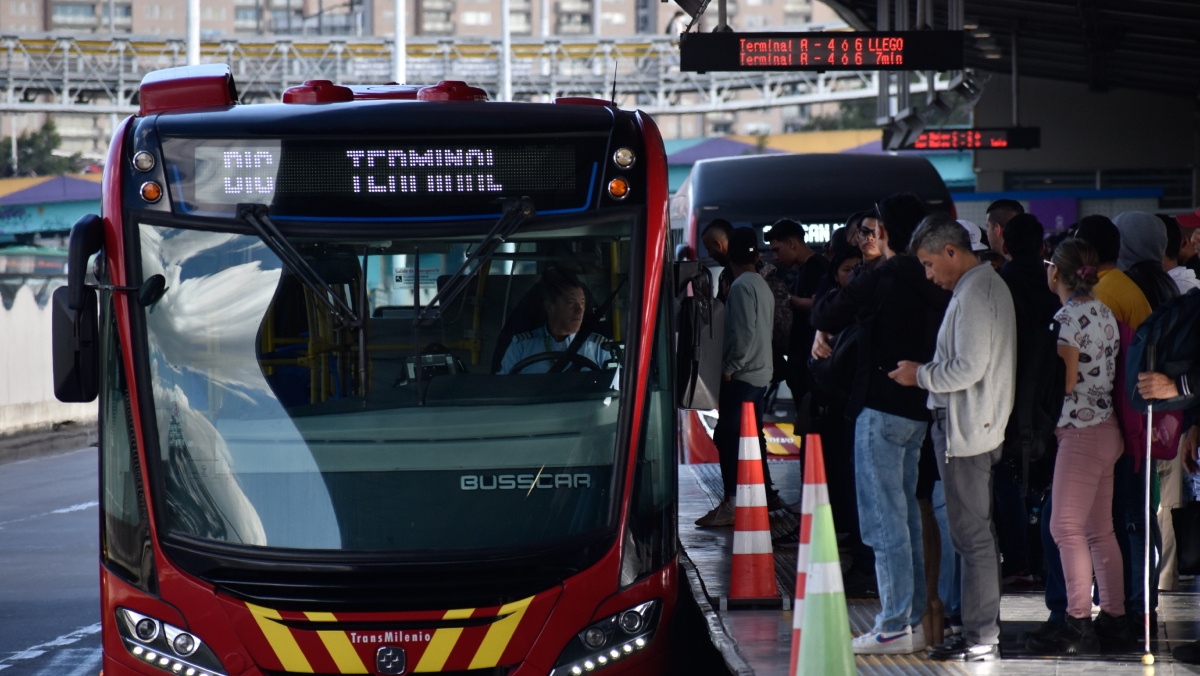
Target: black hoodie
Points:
(903, 325)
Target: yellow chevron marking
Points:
(443, 642)
(281, 640)
(339, 646)
(499, 634)
(779, 436)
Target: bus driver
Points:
(565, 302)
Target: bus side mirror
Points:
(151, 290)
(701, 336)
(87, 237)
(74, 318)
(76, 345)
(685, 272)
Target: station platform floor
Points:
(757, 642)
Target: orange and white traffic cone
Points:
(824, 649)
(753, 574)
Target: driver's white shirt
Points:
(539, 340)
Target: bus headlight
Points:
(610, 640)
(165, 646)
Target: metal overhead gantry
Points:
(78, 75)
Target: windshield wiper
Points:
(257, 216)
(516, 213)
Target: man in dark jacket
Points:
(1143, 244)
(1025, 274)
(805, 272)
(901, 312)
(998, 215)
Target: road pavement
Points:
(50, 579)
(49, 566)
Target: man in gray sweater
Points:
(746, 369)
(971, 385)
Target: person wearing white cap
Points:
(976, 234)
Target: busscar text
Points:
(523, 482)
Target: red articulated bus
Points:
(342, 431)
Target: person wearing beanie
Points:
(1143, 244)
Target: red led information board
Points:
(891, 50)
(1011, 138)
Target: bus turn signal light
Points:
(618, 188)
(151, 192)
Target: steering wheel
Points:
(576, 360)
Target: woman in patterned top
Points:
(1089, 444)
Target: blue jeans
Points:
(887, 449)
(950, 574)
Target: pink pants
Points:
(1082, 522)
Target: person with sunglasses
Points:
(898, 312)
(862, 236)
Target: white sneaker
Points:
(918, 638)
(885, 643)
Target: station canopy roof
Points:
(50, 189)
(1151, 45)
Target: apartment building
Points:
(440, 18)
(20, 16)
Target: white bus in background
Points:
(819, 191)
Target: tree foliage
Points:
(36, 154)
(855, 114)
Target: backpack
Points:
(781, 327)
(1167, 425)
(849, 365)
(1038, 403)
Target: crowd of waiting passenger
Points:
(963, 380)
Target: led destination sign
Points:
(357, 179)
(892, 50)
(230, 176)
(1012, 138)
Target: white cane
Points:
(1147, 656)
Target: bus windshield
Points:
(469, 430)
